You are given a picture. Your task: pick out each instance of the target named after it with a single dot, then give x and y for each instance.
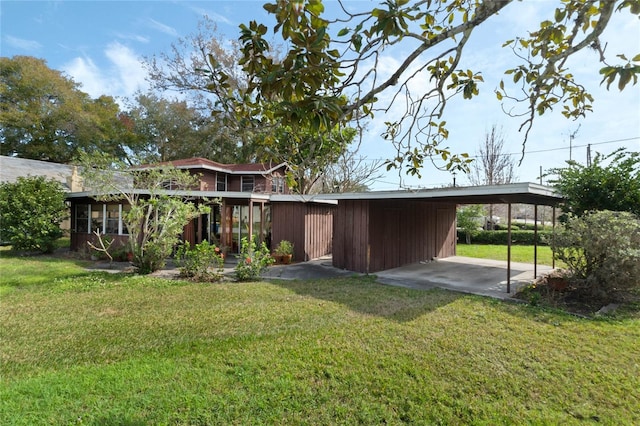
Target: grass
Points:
(499, 252)
(99, 348)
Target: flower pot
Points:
(286, 258)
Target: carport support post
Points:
(509, 249)
(535, 241)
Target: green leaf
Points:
(343, 32)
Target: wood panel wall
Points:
(308, 226)
(351, 235)
(374, 235)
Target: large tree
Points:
(171, 130)
(186, 68)
(45, 116)
(610, 182)
(492, 166)
(330, 76)
(309, 155)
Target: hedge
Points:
(500, 237)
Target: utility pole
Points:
(571, 138)
(589, 155)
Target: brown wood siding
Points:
(446, 231)
(308, 226)
(351, 235)
(318, 230)
(78, 242)
(287, 223)
(393, 232)
(207, 180)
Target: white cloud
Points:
(20, 43)
(216, 17)
(121, 77)
(128, 68)
(162, 27)
(134, 37)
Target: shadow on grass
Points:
(363, 295)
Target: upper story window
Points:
(248, 183)
(221, 182)
(277, 184)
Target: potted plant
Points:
(284, 251)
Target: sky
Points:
(101, 44)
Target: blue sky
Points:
(100, 44)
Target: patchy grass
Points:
(522, 254)
(91, 348)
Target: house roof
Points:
(525, 193)
(11, 168)
(203, 163)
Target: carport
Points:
(375, 231)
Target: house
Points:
(11, 168)
(253, 200)
(365, 232)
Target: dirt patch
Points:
(558, 291)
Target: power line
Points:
(541, 150)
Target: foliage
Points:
(202, 262)
(45, 116)
(329, 76)
(230, 138)
(156, 217)
(467, 220)
(284, 248)
(500, 237)
(31, 210)
(602, 253)
(309, 154)
(610, 182)
(252, 261)
(170, 130)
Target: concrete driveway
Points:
(465, 274)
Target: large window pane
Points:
(82, 218)
(113, 218)
(96, 218)
(247, 183)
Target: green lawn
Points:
(98, 348)
(499, 252)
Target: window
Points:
(247, 183)
(113, 219)
(221, 182)
(277, 184)
(97, 218)
(82, 218)
(125, 210)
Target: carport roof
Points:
(525, 193)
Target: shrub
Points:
(252, 261)
(204, 262)
(31, 210)
(500, 237)
(602, 253)
(284, 248)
